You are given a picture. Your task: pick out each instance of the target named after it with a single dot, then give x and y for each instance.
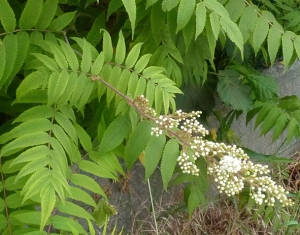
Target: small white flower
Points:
(230, 164)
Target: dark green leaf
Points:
(137, 142)
(169, 161)
(153, 154)
(62, 21)
(185, 11)
(7, 16)
(114, 135)
(30, 14)
(233, 92)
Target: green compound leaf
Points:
(274, 40)
(96, 169)
(48, 199)
(86, 61)
(260, 33)
(235, 9)
(70, 55)
(33, 166)
(3, 221)
(121, 49)
(142, 63)
(168, 5)
(33, 217)
(263, 112)
(115, 133)
(65, 223)
(233, 32)
(169, 161)
(98, 64)
(270, 120)
(30, 14)
(87, 183)
(31, 126)
(140, 87)
(200, 18)
(215, 24)
(113, 6)
(75, 210)
(133, 55)
(287, 47)
(59, 87)
(232, 91)
(31, 154)
(62, 21)
(185, 11)
(195, 198)
(265, 87)
(58, 55)
(137, 142)
(82, 196)
(36, 112)
(297, 45)
(153, 154)
(7, 16)
(2, 62)
(293, 130)
(107, 46)
(130, 7)
(248, 21)
(84, 138)
(47, 14)
(37, 138)
(217, 7)
(10, 43)
(280, 126)
(47, 61)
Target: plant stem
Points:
(153, 210)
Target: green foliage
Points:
(57, 70)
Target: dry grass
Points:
(219, 217)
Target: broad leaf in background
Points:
(265, 88)
(232, 91)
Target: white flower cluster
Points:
(189, 122)
(225, 175)
(231, 173)
(186, 164)
(229, 165)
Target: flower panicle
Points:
(228, 164)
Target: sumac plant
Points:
(86, 83)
